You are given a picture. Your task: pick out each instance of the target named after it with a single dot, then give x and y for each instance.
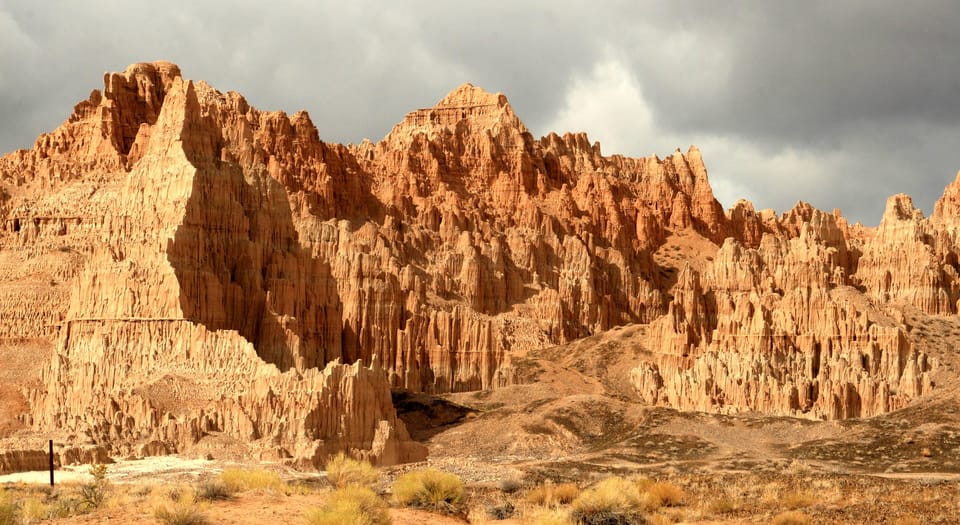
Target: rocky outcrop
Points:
(205, 268)
(779, 329)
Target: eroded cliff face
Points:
(205, 268)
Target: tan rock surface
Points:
(208, 270)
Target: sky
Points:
(838, 103)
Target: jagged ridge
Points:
(438, 253)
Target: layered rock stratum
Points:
(184, 271)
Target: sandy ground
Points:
(154, 468)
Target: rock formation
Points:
(204, 268)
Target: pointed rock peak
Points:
(947, 206)
(900, 208)
(802, 211)
(156, 76)
(479, 108)
(467, 95)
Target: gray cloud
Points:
(835, 102)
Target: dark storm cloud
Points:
(838, 103)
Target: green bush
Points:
(429, 489)
(613, 501)
(343, 471)
(94, 493)
(351, 505)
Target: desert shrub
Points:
(501, 511)
(429, 489)
(343, 471)
(791, 517)
(550, 495)
(665, 494)
(8, 509)
(181, 513)
(239, 480)
(797, 500)
(613, 501)
(510, 485)
(351, 505)
(213, 490)
(94, 492)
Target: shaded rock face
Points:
(209, 269)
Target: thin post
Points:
(51, 462)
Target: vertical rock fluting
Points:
(207, 268)
(190, 299)
(777, 329)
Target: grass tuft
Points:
(181, 513)
(665, 494)
(343, 471)
(429, 489)
(612, 501)
(351, 505)
(791, 517)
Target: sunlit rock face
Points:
(204, 268)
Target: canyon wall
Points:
(205, 268)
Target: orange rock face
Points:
(208, 269)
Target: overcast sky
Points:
(838, 103)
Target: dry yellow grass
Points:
(181, 513)
(33, 510)
(791, 517)
(906, 520)
(351, 505)
(551, 517)
(428, 489)
(723, 505)
(8, 509)
(797, 500)
(658, 519)
(613, 500)
(343, 471)
(239, 480)
(665, 494)
(550, 495)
